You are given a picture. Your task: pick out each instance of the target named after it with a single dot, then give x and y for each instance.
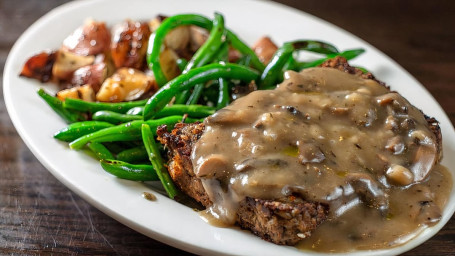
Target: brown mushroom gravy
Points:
(329, 137)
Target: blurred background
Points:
(39, 215)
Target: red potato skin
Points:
(129, 45)
(94, 75)
(264, 49)
(92, 38)
(39, 66)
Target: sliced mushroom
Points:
(125, 85)
(395, 145)
(39, 66)
(260, 163)
(213, 166)
(399, 175)
(90, 39)
(85, 93)
(66, 63)
(424, 159)
(129, 45)
(227, 117)
(369, 190)
(265, 48)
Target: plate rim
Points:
(159, 236)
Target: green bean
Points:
(244, 49)
(196, 111)
(157, 161)
(118, 146)
(273, 70)
(137, 111)
(223, 97)
(197, 92)
(364, 70)
(193, 77)
(207, 51)
(133, 155)
(124, 132)
(120, 107)
(100, 151)
(245, 60)
(57, 105)
(181, 63)
(223, 53)
(157, 39)
(176, 109)
(223, 86)
(348, 54)
(182, 97)
(113, 117)
(127, 171)
(78, 129)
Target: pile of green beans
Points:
(123, 135)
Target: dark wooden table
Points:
(39, 215)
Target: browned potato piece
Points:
(84, 92)
(125, 85)
(66, 63)
(129, 45)
(89, 39)
(264, 49)
(39, 66)
(94, 75)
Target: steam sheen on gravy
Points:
(329, 137)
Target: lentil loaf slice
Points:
(283, 221)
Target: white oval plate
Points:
(167, 220)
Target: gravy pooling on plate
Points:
(330, 137)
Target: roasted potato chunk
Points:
(84, 92)
(129, 45)
(126, 84)
(39, 66)
(90, 39)
(66, 63)
(265, 48)
(94, 75)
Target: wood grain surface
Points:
(40, 216)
